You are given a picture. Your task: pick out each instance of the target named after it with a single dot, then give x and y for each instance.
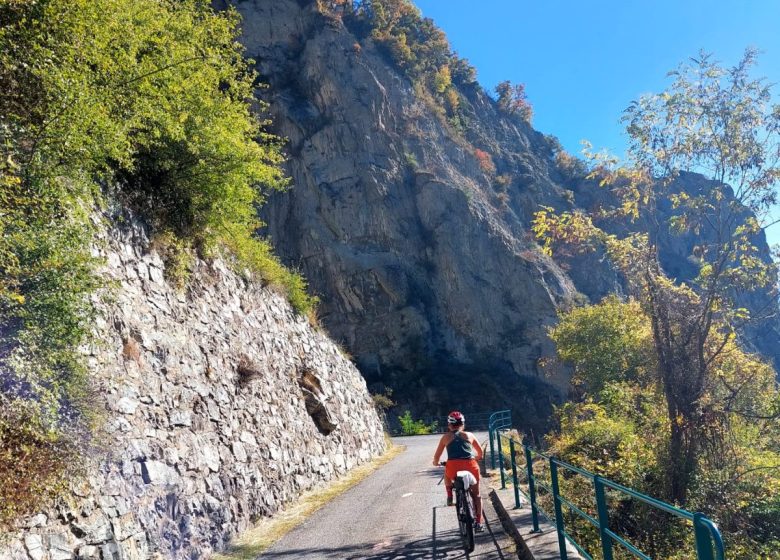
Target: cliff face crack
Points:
(312, 395)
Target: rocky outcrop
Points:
(222, 406)
(423, 259)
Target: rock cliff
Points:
(423, 258)
(425, 276)
(222, 405)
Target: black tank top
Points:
(460, 447)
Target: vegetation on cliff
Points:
(417, 47)
(145, 102)
(671, 402)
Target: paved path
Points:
(398, 513)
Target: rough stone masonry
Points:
(222, 405)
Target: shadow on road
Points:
(416, 550)
(420, 549)
(442, 545)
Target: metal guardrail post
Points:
(514, 472)
(601, 505)
(497, 421)
(558, 510)
(500, 459)
(492, 450)
(529, 466)
(703, 539)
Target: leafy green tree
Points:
(608, 342)
(716, 121)
(616, 429)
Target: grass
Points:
(255, 540)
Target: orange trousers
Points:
(454, 465)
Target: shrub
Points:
(383, 401)
(442, 79)
(513, 100)
(485, 161)
(34, 461)
(503, 181)
(453, 102)
(412, 427)
(606, 342)
(571, 167)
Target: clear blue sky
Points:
(583, 62)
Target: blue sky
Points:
(583, 62)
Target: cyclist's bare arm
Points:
(440, 449)
(477, 447)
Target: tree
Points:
(715, 121)
(607, 342)
(513, 100)
(615, 428)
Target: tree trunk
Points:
(682, 459)
(682, 379)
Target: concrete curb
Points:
(523, 552)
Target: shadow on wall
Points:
(313, 397)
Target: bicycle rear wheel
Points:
(466, 522)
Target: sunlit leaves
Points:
(620, 427)
(607, 342)
(513, 100)
(718, 122)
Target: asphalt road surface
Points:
(397, 513)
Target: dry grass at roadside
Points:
(254, 541)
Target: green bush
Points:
(412, 427)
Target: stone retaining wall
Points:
(223, 405)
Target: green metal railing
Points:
(707, 538)
(501, 420)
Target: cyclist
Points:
(463, 452)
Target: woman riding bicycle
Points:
(463, 452)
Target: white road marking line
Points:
(407, 494)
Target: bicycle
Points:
(464, 508)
